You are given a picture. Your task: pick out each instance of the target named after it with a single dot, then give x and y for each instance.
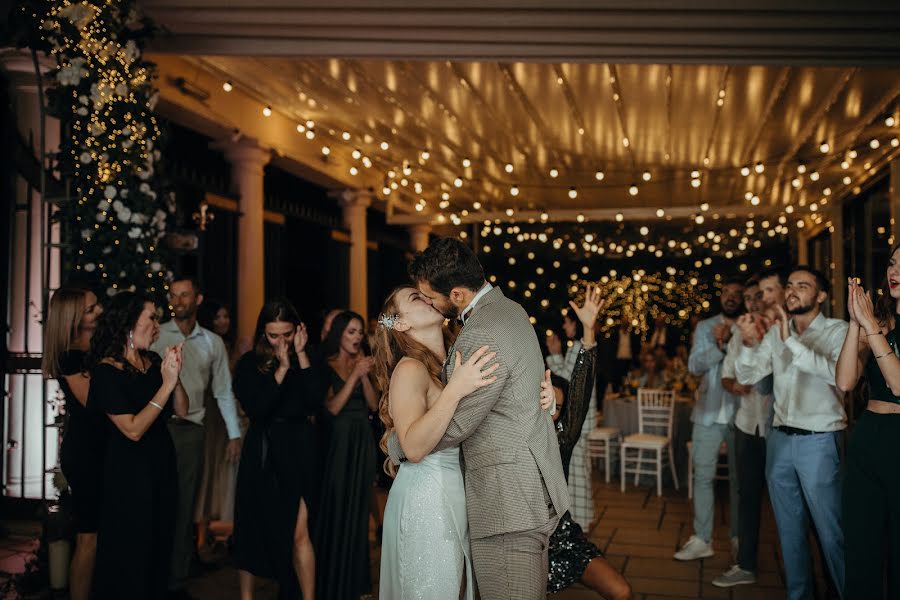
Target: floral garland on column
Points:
(104, 96)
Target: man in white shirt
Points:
(205, 367)
(802, 456)
(751, 423)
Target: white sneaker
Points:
(694, 548)
(735, 546)
(734, 576)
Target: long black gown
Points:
(342, 548)
(137, 516)
(81, 453)
(569, 549)
(279, 466)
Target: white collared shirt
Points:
(755, 409)
(484, 290)
(205, 365)
(803, 367)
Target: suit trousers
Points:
(751, 469)
(514, 566)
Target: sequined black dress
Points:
(570, 551)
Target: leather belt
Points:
(794, 430)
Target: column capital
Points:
(352, 198)
(420, 229)
(244, 152)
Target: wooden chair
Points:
(655, 418)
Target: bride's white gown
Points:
(425, 544)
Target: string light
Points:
(554, 173)
(824, 147)
(573, 193)
(633, 190)
(509, 167)
(599, 176)
(514, 190)
(227, 86)
(745, 171)
(759, 168)
(646, 176)
(267, 111)
(466, 163)
(874, 144)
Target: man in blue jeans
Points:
(800, 349)
(713, 419)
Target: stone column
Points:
(354, 203)
(247, 161)
(418, 237)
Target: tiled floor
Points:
(639, 532)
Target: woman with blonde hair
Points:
(425, 548)
(70, 323)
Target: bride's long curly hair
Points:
(391, 346)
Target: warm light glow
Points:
(824, 147)
(745, 171)
(660, 213)
(646, 176)
(345, 136)
(620, 217)
(458, 182)
(514, 190)
(599, 175)
(227, 86)
(874, 144)
(633, 190)
(267, 111)
(759, 168)
(466, 163)
(554, 173)
(801, 168)
(814, 176)
(509, 168)
(385, 145)
(573, 193)
(326, 150)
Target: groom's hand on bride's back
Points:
(474, 373)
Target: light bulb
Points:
(745, 171)
(660, 213)
(458, 182)
(573, 193)
(267, 111)
(599, 175)
(633, 190)
(874, 144)
(509, 168)
(695, 183)
(646, 176)
(300, 128)
(345, 136)
(326, 150)
(466, 163)
(554, 173)
(385, 145)
(426, 155)
(801, 168)
(514, 190)
(227, 86)
(620, 217)
(759, 168)
(824, 147)
(814, 176)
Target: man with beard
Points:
(762, 295)
(800, 350)
(205, 366)
(712, 417)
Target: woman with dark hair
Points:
(572, 556)
(70, 324)
(215, 497)
(871, 492)
(137, 390)
(343, 534)
(278, 478)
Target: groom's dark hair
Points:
(445, 264)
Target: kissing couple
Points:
(480, 485)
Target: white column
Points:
(354, 203)
(418, 237)
(247, 161)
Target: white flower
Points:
(89, 267)
(139, 249)
(85, 158)
(117, 205)
(132, 51)
(125, 215)
(110, 192)
(134, 233)
(79, 14)
(138, 218)
(72, 73)
(144, 187)
(101, 217)
(127, 143)
(85, 234)
(123, 194)
(83, 99)
(107, 250)
(110, 291)
(82, 111)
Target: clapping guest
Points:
(67, 337)
(278, 479)
(343, 539)
(138, 391)
(871, 514)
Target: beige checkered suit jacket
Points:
(508, 443)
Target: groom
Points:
(515, 488)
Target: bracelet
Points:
(155, 405)
(876, 333)
(885, 354)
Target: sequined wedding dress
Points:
(425, 545)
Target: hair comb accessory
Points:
(388, 321)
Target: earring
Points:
(131, 339)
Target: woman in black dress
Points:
(70, 323)
(343, 533)
(572, 557)
(278, 478)
(137, 390)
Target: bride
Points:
(425, 545)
